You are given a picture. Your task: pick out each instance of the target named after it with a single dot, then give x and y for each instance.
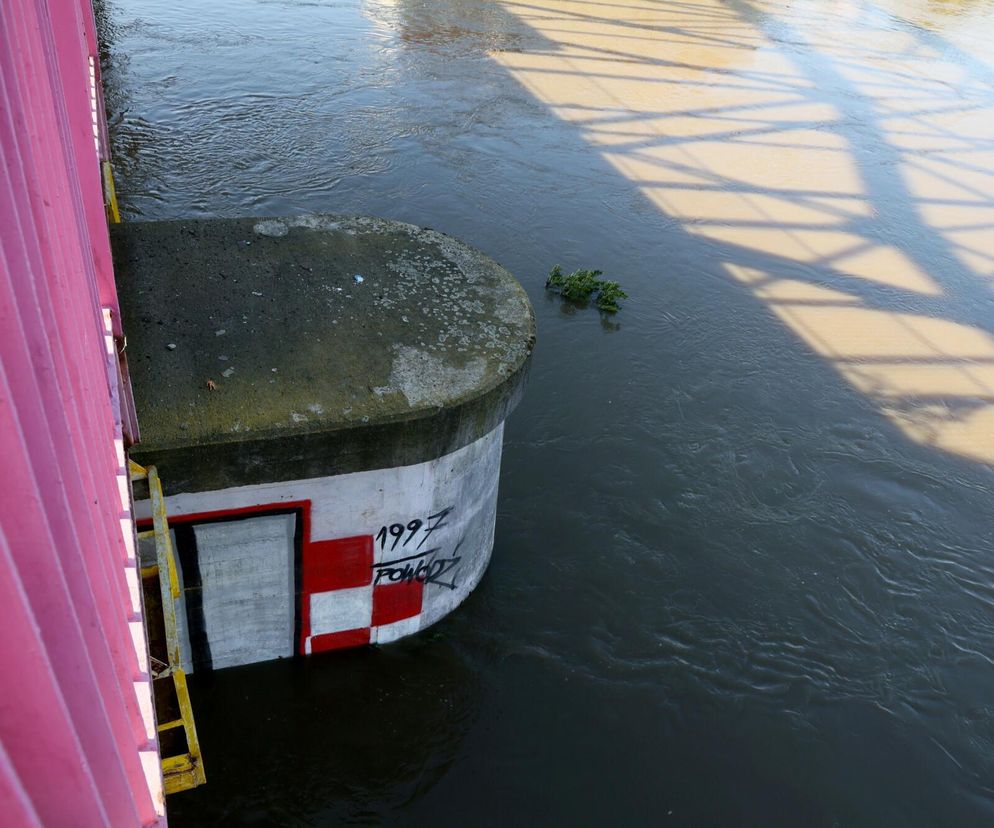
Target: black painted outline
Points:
(189, 561)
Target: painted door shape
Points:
(239, 588)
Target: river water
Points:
(744, 567)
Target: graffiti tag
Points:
(420, 567)
(397, 530)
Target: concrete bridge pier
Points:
(324, 399)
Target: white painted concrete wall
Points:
(247, 565)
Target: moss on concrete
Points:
(279, 349)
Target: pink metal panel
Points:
(60, 309)
(35, 723)
(73, 68)
(14, 800)
(70, 668)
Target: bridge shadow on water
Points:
(835, 162)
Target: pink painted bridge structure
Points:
(77, 732)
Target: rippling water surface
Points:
(744, 569)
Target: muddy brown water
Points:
(744, 567)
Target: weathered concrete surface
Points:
(315, 372)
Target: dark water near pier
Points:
(744, 569)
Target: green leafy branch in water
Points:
(580, 285)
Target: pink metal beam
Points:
(77, 744)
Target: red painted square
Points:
(339, 640)
(395, 602)
(338, 564)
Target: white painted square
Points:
(124, 493)
(341, 609)
(143, 692)
(128, 533)
(398, 629)
(137, 629)
(134, 588)
(152, 766)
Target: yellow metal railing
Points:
(182, 771)
(110, 193)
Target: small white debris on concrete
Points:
(271, 228)
(171, 346)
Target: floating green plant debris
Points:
(581, 285)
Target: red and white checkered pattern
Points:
(340, 605)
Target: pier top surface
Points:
(269, 349)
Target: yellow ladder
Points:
(181, 771)
(110, 194)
